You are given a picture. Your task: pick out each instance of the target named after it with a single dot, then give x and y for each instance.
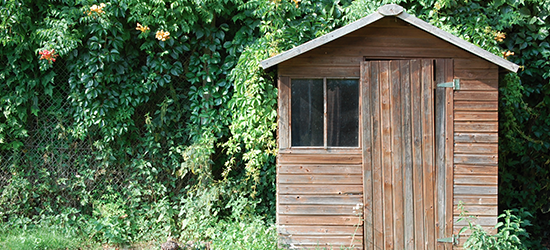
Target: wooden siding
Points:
(476, 144)
(475, 130)
(319, 199)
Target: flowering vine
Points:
(48, 55)
(162, 35)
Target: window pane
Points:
(307, 112)
(343, 112)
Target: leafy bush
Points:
(511, 233)
(137, 119)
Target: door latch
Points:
(455, 84)
(453, 239)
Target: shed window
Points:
(325, 112)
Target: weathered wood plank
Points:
(476, 159)
(476, 199)
(466, 95)
(449, 148)
(323, 241)
(347, 179)
(479, 84)
(318, 210)
(476, 127)
(333, 61)
(474, 63)
(440, 149)
(464, 236)
(320, 189)
(316, 230)
(476, 169)
(381, 51)
(326, 71)
(319, 159)
(320, 169)
(428, 153)
(406, 144)
(476, 148)
(378, 223)
(366, 117)
(476, 73)
(476, 179)
(320, 199)
(399, 43)
(284, 112)
(475, 190)
(475, 106)
(476, 116)
(397, 152)
(476, 137)
(479, 220)
(318, 151)
(335, 220)
(416, 93)
(488, 210)
(387, 188)
(324, 248)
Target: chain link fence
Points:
(53, 159)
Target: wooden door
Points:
(407, 159)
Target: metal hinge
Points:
(453, 239)
(455, 84)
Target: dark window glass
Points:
(342, 112)
(307, 112)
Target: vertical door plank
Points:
(367, 157)
(440, 142)
(386, 131)
(378, 224)
(408, 214)
(284, 112)
(449, 151)
(428, 149)
(396, 116)
(416, 93)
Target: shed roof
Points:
(389, 10)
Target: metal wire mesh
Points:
(53, 157)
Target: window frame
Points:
(325, 115)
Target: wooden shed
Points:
(385, 125)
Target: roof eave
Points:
(390, 10)
(305, 47)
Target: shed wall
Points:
(475, 110)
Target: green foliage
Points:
(252, 234)
(511, 233)
(26, 235)
(155, 118)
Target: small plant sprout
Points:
(358, 209)
(48, 55)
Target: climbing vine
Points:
(164, 102)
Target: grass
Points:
(37, 238)
(253, 235)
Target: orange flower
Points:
(162, 35)
(499, 36)
(48, 55)
(507, 54)
(96, 8)
(296, 2)
(142, 28)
